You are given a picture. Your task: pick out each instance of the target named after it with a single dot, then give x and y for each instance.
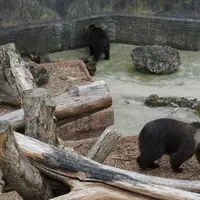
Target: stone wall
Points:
(178, 33)
(134, 29)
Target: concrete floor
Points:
(129, 88)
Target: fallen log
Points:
(17, 171)
(83, 99)
(39, 115)
(14, 73)
(68, 167)
(104, 145)
(78, 102)
(99, 193)
(89, 124)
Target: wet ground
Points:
(129, 88)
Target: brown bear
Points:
(98, 41)
(168, 136)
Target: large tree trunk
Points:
(75, 104)
(14, 74)
(70, 168)
(21, 176)
(39, 115)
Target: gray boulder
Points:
(156, 59)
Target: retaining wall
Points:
(131, 29)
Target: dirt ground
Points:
(125, 153)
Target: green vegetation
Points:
(197, 111)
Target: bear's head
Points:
(89, 28)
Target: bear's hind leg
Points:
(107, 53)
(178, 158)
(175, 165)
(97, 55)
(91, 50)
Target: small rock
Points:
(127, 102)
(156, 101)
(90, 65)
(39, 74)
(156, 59)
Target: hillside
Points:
(22, 11)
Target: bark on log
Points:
(99, 193)
(7, 96)
(14, 73)
(68, 166)
(104, 145)
(39, 115)
(78, 102)
(84, 99)
(23, 177)
(89, 124)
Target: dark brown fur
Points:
(167, 136)
(97, 41)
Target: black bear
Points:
(98, 41)
(168, 136)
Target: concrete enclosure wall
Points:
(134, 29)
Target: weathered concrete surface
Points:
(129, 88)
